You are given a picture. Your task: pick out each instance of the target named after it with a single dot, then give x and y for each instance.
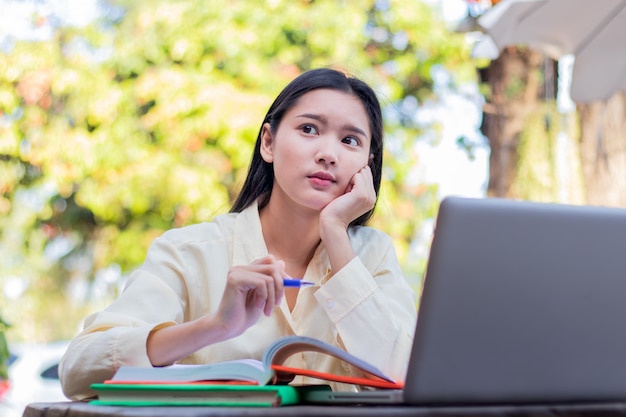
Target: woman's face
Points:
(319, 145)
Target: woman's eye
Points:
(350, 140)
(309, 130)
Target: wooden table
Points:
(81, 409)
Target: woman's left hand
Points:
(358, 199)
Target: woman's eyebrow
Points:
(322, 119)
(356, 130)
(313, 116)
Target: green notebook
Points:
(195, 395)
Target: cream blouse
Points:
(366, 308)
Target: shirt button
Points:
(330, 303)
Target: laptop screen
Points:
(522, 303)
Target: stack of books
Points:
(244, 382)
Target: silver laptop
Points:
(523, 303)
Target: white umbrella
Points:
(593, 31)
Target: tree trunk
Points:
(516, 89)
(603, 151)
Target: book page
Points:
(283, 348)
(241, 370)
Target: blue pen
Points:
(292, 282)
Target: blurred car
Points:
(33, 377)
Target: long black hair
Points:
(260, 179)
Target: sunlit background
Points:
(100, 193)
(122, 119)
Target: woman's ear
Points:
(267, 144)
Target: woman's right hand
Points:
(251, 290)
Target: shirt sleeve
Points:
(372, 307)
(117, 335)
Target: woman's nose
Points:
(327, 152)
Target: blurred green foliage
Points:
(146, 119)
(4, 352)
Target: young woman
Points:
(214, 291)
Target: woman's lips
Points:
(321, 179)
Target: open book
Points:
(268, 371)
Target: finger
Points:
(264, 260)
(360, 181)
(274, 269)
(270, 299)
(366, 174)
(277, 273)
(259, 292)
(278, 286)
(364, 192)
(255, 299)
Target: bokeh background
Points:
(120, 119)
(130, 118)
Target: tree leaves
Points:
(146, 120)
